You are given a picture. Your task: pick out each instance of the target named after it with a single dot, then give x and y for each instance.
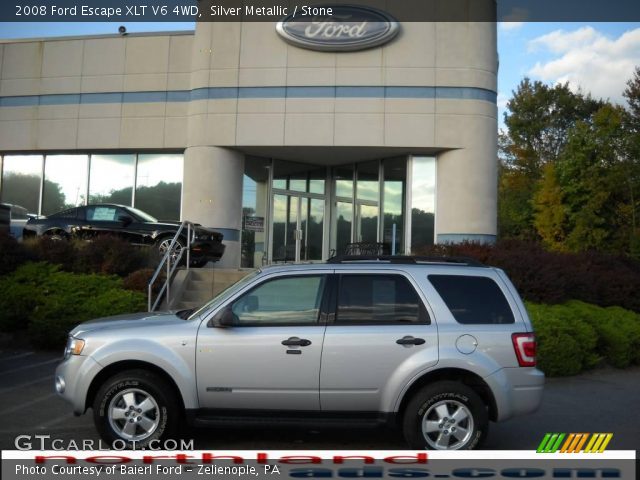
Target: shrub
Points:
(12, 254)
(576, 336)
(110, 255)
(618, 332)
(139, 280)
(49, 302)
(566, 345)
(58, 252)
(22, 292)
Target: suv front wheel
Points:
(445, 416)
(134, 408)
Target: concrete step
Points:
(211, 274)
(184, 305)
(200, 285)
(196, 296)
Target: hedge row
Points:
(552, 278)
(108, 254)
(48, 302)
(576, 336)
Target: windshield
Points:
(223, 295)
(143, 215)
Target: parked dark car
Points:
(131, 224)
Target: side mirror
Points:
(223, 319)
(124, 220)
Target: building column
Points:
(467, 186)
(212, 195)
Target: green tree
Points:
(632, 95)
(591, 173)
(538, 118)
(550, 216)
(515, 215)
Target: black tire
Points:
(165, 414)
(446, 434)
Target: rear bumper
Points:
(517, 391)
(209, 251)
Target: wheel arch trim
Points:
(449, 373)
(123, 365)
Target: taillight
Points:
(525, 346)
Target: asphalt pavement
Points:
(604, 400)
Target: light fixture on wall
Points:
(122, 30)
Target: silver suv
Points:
(438, 346)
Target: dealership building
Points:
(291, 141)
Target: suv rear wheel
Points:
(445, 416)
(135, 407)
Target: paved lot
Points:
(603, 401)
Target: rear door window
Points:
(379, 300)
(473, 300)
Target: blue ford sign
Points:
(335, 28)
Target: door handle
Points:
(296, 342)
(409, 340)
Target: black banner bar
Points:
(274, 10)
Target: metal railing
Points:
(170, 260)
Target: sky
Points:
(597, 58)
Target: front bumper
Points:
(73, 378)
(517, 391)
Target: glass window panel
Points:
(65, 182)
(290, 175)
(423, 200)
(317, 179)
(378, 299)
(312, 222)
(280, 205)
(292, 300)
(344, 219)
(368, 185)
(21, 181)
(254, 211)
(298, 184)
(395, 179)
(473, 300)
(111, 179)
(159, 185)
(368, 218)
(344, 181)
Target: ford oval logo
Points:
(333, 28)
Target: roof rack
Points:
(407, 259)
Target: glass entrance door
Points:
(298, 223)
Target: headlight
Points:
(74, 347)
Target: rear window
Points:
(473, 300)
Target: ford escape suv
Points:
(437, 346)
